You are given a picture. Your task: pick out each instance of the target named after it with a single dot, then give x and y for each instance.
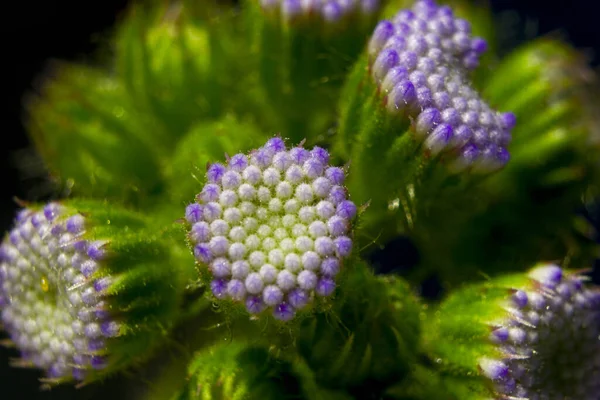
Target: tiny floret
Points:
(291, 233)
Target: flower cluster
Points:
(421, 60)
(272, 227)
(51, 298)
(328, 10)
(549, 340)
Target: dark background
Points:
(34, 32)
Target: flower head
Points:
(328, 10)
(272, 227)
(527, 336)
(420, 60)
(549, 340)
(71, 297)
(51, 295)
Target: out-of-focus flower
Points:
(83, 289)
(272, 228)
(330, 11)
(532, 336)
(303, 50)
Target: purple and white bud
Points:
(420, 60)
(549, 339)
(53, 294)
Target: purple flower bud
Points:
(98, 362)
(332, 11)
(335, 175)
(102, 284)
(461, 136)
(88, 267)
(548, 275)
(215, 173)
(80, 246)
(494, 369)
(386, 60)
(369, 6)
(427, 121)
(272, 295)
(499, 335)
(438, 139)
(202, 253)
(404, 16)
(238, 163)
(520, 298)
(96, 250)
(51, 211)
(193, 213)
(75, 224)
(275, 145)
(508, 120)
(254, 304)
(284, 312)
(218, 288)
(383, 31)
(402, 97)
(236, 289)
(346, 209)
(393, 77)
(298, 298)
(479, 45)
(467, 156)
(325, 287)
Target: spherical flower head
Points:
(52, 290)
(420, 61)
(329, 11)
(272, 227)
(549, 340)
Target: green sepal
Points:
(90, 137)
(149, 274)
(203, 144)
(370, 334)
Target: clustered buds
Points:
(328, 10)
(420, 60)
(51, 293)
(549, 340)
(272, 227)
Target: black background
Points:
(31, 33)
